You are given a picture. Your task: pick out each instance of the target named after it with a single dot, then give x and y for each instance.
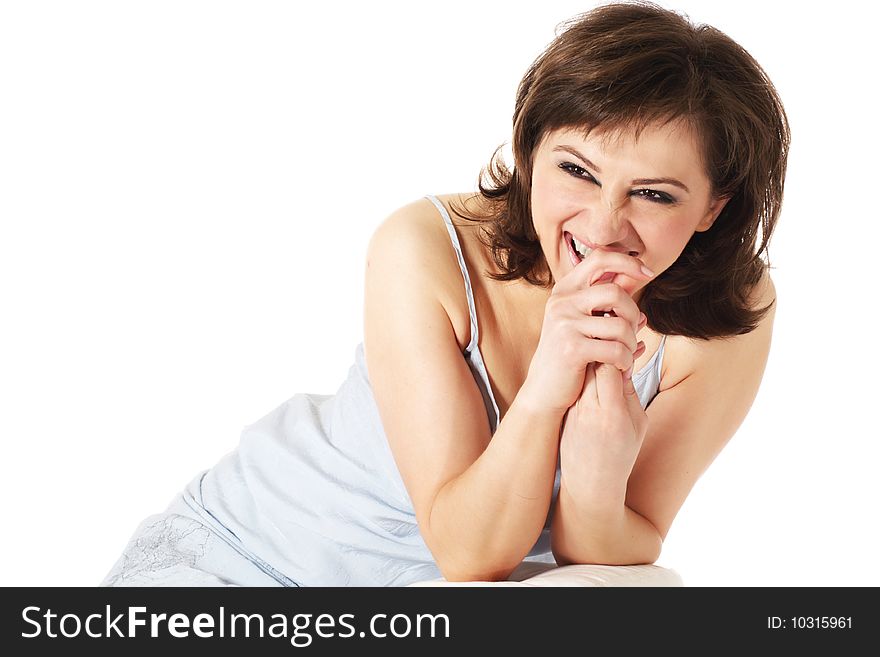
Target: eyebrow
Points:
(637, 181)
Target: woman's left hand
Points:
(603, 430)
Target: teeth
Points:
(583, 250)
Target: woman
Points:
(610, 338)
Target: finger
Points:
(601, 262)
(608, 328)
(611, 352)
(631, 398)
(609, 386)
(606, 297)
(589, 396)
(628, 374)
(607, 265)
(640, 349)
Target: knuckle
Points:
(620, 295)
(620, 353)
(623, 327)
(567, 327)
(570, 349)
(556, 308)
(602, 295)
(586, 353)
(599, 256)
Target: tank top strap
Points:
(472, 351)
(660, 350)
(453, 236)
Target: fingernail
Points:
(647, 272)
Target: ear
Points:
(712, 214)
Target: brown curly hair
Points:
(625, 66)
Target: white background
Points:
(187, 190)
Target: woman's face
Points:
(645, 197)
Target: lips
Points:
(572, 252)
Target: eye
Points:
(573, 169)
(647, 194)
(655, 196)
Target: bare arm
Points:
(600, 528)
(616, 515)
(487, 519)
(480, 500)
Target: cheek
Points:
(665, 241)
(542, 205)
(542, 195)
(552, 202)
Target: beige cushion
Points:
(544, 574)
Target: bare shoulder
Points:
(414, 237)
(704, 398)
(430, 405)
(687, 356)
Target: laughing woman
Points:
(548, 364)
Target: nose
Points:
(610, 229)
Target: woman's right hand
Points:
(589, 318)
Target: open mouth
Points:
(577, 251)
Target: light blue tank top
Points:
(312, 494)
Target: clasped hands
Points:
(604, 429)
